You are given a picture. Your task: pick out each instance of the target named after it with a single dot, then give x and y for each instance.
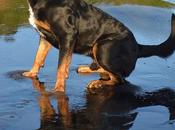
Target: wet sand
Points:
(147, 102)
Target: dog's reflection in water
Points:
(108, 109)
(50, 119)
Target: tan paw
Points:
(95, 84)
(29, 74)
(84, 69)
(59, 88)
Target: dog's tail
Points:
(163, 50)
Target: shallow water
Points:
(147, 102)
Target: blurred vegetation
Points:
(157, 3)
(14, 13)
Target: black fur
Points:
(163, 50)
(79, 26)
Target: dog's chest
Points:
(32, 18)
(32, 21)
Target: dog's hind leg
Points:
(117, 58)
(106, 79)
(43, 49)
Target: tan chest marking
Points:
(37, 23)
(43, 25)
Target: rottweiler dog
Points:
(74, 26)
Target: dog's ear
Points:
(32, 2)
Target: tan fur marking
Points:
(43, 25)
(63, 73)
(41, 54)
(87, 69)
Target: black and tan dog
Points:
(73, 26)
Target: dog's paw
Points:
(95, 84)
(59, 86)
(83, 69)
(29, 74)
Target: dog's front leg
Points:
(41, 54)
(65, 56)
